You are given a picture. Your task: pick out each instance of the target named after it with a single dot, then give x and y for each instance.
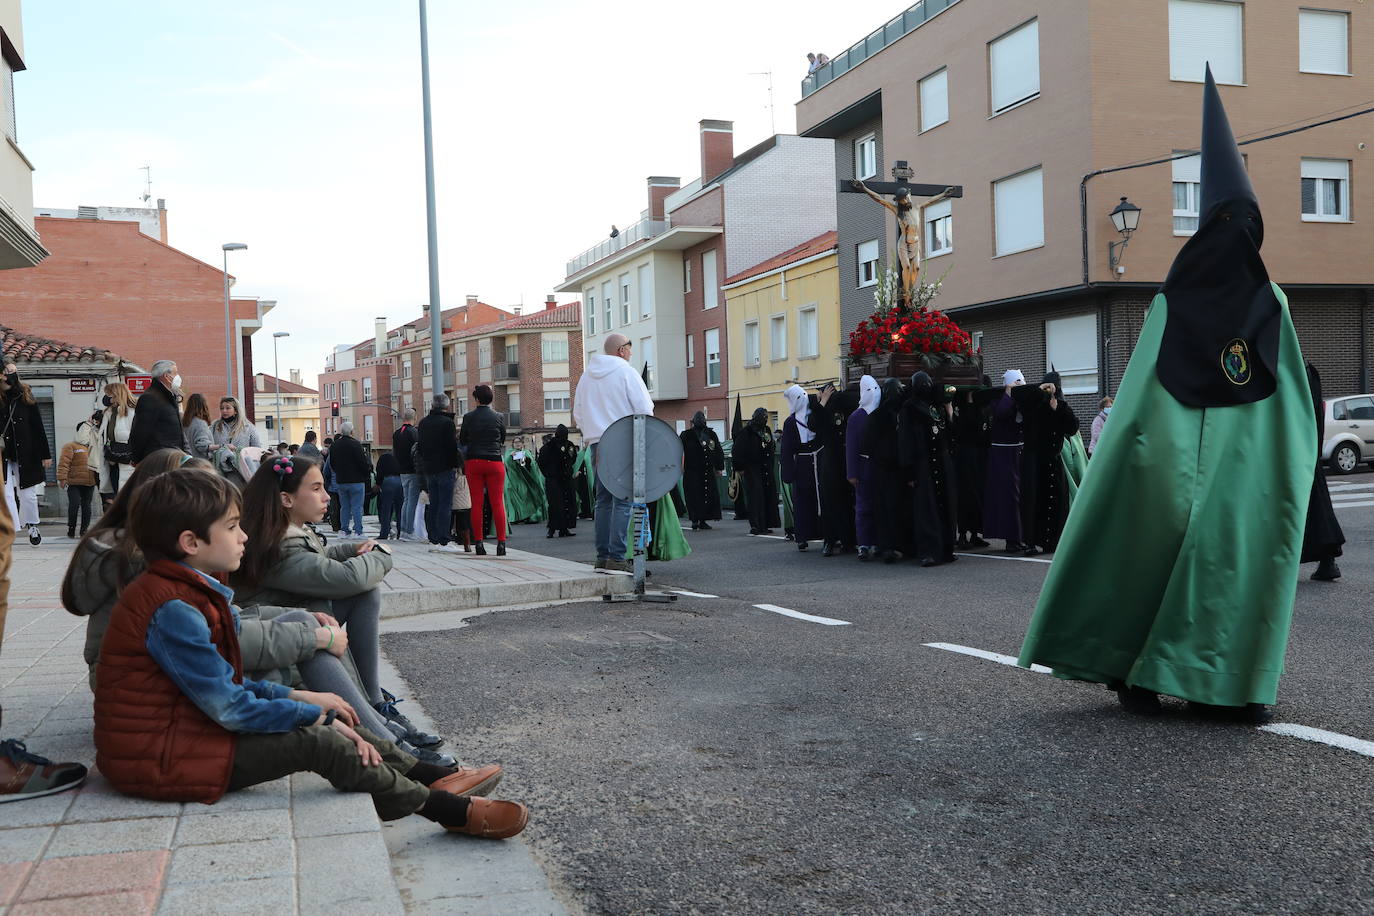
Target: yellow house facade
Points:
(784, 325)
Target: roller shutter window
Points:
(1324, 42)
(1014, 65)
(1019, 212)
(1206, 31)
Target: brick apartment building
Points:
(112, 281)
(532, 361)
(1019, 100)
(659, 281)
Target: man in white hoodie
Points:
(608, 390)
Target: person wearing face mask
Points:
(860, 470)
(111, 453)
(1100, 421)
(703, 462)
(232, 428)
(1177, 570)
(76, 475)
(1002, 495)
(26, 453)
(157, 421)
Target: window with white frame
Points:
(777, 337)
(976, 341)
(1014, 66)
(1071, 350)
(557, 400)
(1326, 190)
(1324, 42)
(625, 298)
(367, 389)
(428, 367)
(808, 333)
(751, 343)
(589, 303)
(369, 430)
(553, 348)
(713, 357)
(1187, 192)
(691, 351)
(513, 408)
(644, 277)
(650, 361)
(405, 367)
(686, 275)
(513, 352)
(484, 353)
(710, 283)
(867, 256)
(939, 228)
(1203, 32)
(933, 94)
(1019, 212)
(606, 305)
(866, 157)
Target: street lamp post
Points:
(228, 330)
(276, 374)
(436, 321)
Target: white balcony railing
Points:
(644, 229)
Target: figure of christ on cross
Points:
(909, 241)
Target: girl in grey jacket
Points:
(285, 564)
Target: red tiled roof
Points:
(287, 386)
(28, 348)
(568, 313)
(819, 245)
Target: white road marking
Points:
(691, 594)
(774, 537)
(1340, 487)
(1340, 505)
(788, 612)
(993, 556)
(1286, 729)
(983, 653)
(1321, 736)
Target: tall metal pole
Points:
(228, 333)
(436, 323)
(276, 374)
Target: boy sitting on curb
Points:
(176, 720)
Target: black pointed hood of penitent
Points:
(1221, 342)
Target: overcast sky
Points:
(296, 128)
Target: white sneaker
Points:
(446, 548)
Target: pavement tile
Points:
(12, 875)
(232, 826)
(344, 871)
(264, 858)
(51, 727)
(99, 837)
(274, 794)
(128, 903)
(23, 844)
(46, 810)
(75, 876)
(523, 903)
(256, 897)
(99, 801)
(319, 809)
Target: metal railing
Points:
(513, 419)
(504, 372)
(644, 229)
(909, 21)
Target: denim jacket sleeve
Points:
(179, 641)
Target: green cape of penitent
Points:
(1179, 562)
(525, 497)
(1075, 459)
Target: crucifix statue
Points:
(909, 229)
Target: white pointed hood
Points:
(869, 394)
(800, 406)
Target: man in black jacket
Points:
(402, 442)
(157, 422)
(352, 472)
(439, 452)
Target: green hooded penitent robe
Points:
(1179, 562)
(1075, 458)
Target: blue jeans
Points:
(439, 514)
(411, 484)
(390, 502)
(612, 520)
(351, 506)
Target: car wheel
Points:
(1345, 458)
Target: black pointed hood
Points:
(1221, 342)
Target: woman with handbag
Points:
(26, 451)
(115, 454)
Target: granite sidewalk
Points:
(291, 846)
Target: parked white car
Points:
(1349, 432)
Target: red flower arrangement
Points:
(926, 332)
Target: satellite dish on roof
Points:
(615, 462)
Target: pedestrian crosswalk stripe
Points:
(1321, 736)
(788, 612)
(1350, 505)
(1342, 487)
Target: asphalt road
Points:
(712, 757)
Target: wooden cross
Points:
(910, 228)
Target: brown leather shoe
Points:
(493, 818)
(469, 780)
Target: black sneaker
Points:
(433, 758)
(402, 727)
